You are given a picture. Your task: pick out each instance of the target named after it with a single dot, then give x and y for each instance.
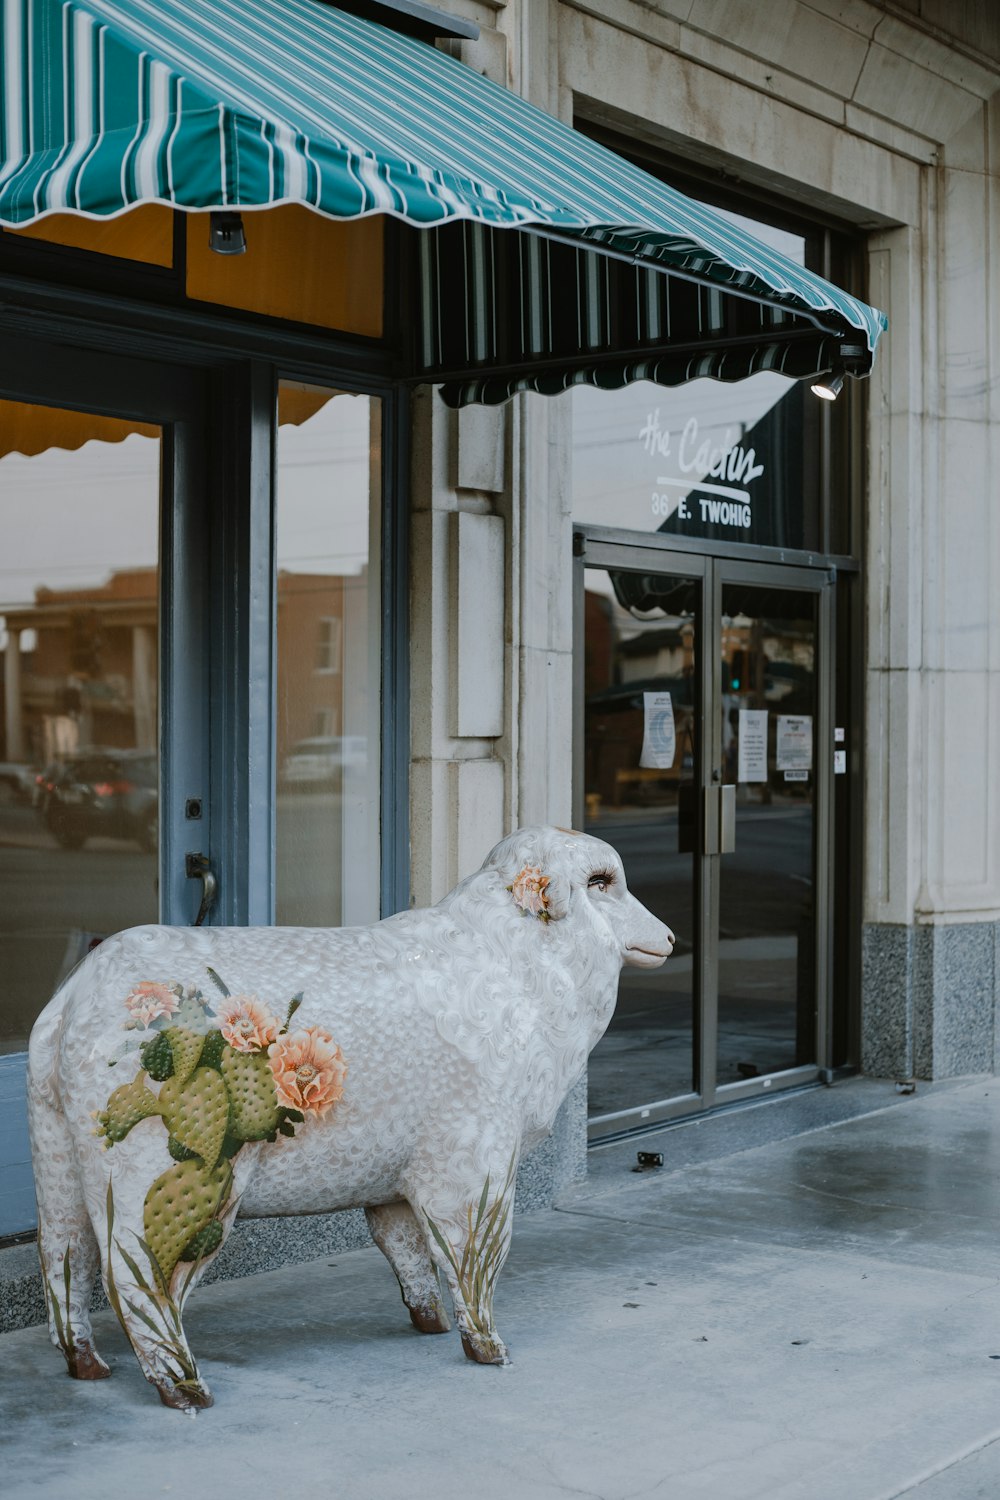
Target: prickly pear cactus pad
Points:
(253, 1102)
(185, 1050)
(180, 1204)
(126, 1107)
(228, 1073)
(196, 1112)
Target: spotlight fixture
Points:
(225, 234)
(829, 387)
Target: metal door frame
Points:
(712, 567)
(175, 399)
(819, 582)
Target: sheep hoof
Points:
(188, 1398)
(430, 1319)
(483, 1350)
(86, 1364)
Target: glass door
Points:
(771, 875)
(705, 700)
(643, 769)
(330, 656)
(103, 765)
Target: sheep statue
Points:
(183, 1076)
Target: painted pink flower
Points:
(309, 1070)
(246, 1024)
(149, 1001)
(530, 891)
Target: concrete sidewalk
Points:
(813, 1318)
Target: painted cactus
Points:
(221, 1079)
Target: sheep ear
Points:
(538, 894)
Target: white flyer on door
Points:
(659, 739)
(752, 754)
(795, 742)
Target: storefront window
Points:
(733, 463)
(79, 766)
(328, 487)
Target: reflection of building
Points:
(317, 613)
(92, 673)
(91, 677)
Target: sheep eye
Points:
(600, 880)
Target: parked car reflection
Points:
(17, 783)
(100, 793)
(320, 762)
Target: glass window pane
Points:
(328, 489)
(732, 463)
(767, 918)
(641, 755)
(79, 516)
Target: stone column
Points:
(932, 888)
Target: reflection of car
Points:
(321, 761)
(16, 782)
(100, 793)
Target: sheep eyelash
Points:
(602, 877)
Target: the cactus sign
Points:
(228, 1073)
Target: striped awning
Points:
(245, 104)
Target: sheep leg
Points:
(67, 1245)
(469, 1246)
(151, 1318)
(148, 1298)
(396, 1232)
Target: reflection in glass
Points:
(328, 486)
(79, 511)
(767, 957)
(640, 773)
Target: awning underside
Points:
(249, 103)
(502, 312)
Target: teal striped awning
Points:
(245, 104)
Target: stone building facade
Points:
(886, 118)
(867, 131)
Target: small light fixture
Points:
(829, 387)
(225, 234)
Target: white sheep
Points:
(183, 1076)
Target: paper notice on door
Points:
(794, 749)
(659, 739)
(752, 754)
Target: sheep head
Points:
(550, 872)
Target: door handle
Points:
(197, 867)
(727, 819)
(719, 820)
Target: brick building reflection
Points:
(80, 665)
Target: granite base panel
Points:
(256, 1245)
(887, 1001)
(930, 999)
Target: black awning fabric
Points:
(504, 311)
